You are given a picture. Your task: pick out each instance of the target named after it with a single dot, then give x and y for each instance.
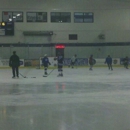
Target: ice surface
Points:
(80, 100)
(102, 75)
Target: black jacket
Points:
(14, 61)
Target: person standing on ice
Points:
(92, 61)
(126, 62)
(108, 61)
(45, 62)
(14, 62)
(73, 60)
(60, 60)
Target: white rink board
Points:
(5, 62)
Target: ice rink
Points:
(81, 100)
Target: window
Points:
(73, 37)
(9, 16)
(36, 16)
(82, 17)
(62, 17)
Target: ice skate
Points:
(59, 75)
(90, 69)
(45, 73)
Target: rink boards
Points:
(67, 62)
(82, 61)
(5, 62)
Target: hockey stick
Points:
(25, 76)
(49, 73)
(22, 75)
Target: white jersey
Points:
(73, 59)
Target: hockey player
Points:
(126, 62)
(60, 64)
(73, 60)
(14, 62)
(45, 62)
(91, 62)
(108, 61)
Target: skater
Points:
(91, 62)
(73, 60)
(14, 62)
(126, 62)
(45, 62)
(108, 61)
(60, 64)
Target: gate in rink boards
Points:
(60, 49)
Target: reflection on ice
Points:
(96, 100)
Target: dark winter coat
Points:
(91, 60)
(108, 60)
(14, 61)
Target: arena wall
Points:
(111, 18)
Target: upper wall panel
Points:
(64, 4)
